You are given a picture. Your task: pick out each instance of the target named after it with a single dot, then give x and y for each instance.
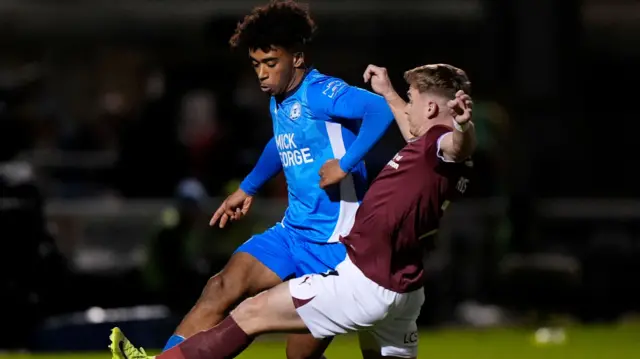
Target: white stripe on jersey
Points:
(348, 198)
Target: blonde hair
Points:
(442, 79)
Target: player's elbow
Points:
(457, 151)
(462, 151)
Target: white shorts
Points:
(347, 301)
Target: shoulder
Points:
(429, 144)
(324, 86)
(435, 159)
(432, 138)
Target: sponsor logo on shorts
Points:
(411, 338)
(329, 273)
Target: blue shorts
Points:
(289, 256)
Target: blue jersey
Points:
(322, 119)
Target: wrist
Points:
(460, 127)
(247, 188)
(343, 167)
(390, 95)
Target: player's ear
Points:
(298, 59)
(432, 109)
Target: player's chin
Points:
(267, 89)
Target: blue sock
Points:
(173, 341)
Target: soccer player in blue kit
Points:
(322, 129)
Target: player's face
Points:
(275, 69)
(420, 109)
(414, 110)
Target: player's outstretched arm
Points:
(268, 165)
(336, 99)
(381, 84)
(461, 142)
(238, 204)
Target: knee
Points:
(249, 315)
(295, 353)
(219, 295)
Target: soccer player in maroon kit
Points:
(377, 290)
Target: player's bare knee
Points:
(250, 315)
(295, 352)
(217, 296)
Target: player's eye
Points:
(255, 64)
(272, 64)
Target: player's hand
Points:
(379, 78)
(233, 208)
(461, 107)
(331, 173)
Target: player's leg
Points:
(369, 346)
(260, 263)
(305, 346)
(270, 311)
(305, 304)
(397, 335)
(313, 258)
(242, 275)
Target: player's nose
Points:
(263, 75)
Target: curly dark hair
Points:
(283, 23)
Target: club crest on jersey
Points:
(296, 111)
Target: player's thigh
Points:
(270, 311)
(243, 275)
(271, 259)
(255, 266)
(305, 346)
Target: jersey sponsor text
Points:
(290, 154)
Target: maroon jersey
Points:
(401, 210)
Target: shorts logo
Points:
(329, 272)
(296, 111)
(411, 338)
(305, 280)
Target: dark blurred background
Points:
(123, 123)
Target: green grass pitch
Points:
(610, 342)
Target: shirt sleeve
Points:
(433, 138)
(268, 165)
(336, 99)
